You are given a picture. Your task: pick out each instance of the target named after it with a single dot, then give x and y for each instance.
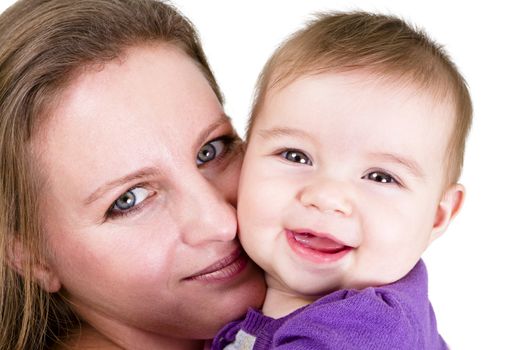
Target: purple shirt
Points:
(393, 316)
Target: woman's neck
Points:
(87, 337)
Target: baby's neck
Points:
(280, 302)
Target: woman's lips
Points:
(316, 247)
(223, 269)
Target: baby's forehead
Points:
(360, 111)
(393, 87)
(372, 104)
(438, 89)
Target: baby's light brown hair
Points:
(383, 45)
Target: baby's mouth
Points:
(319, 248)
(319, 243)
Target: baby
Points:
(355, 147)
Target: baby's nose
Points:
(327, 197)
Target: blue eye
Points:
(381, 177)
(128, 200)
(211, 150)
(296, 156)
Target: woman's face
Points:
(139, 202)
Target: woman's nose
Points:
(207, 215)
(328, 197)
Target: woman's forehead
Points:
(150, 106)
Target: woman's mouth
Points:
(316, 247)
(224, 269)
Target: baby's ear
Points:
(20, 258)
(448, 207)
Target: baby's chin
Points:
(310, 288)
(315, 287)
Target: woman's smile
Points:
(224, 269)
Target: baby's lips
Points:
(319, 242)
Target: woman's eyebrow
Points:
(152, 171)
(136, 175)
(204, 134)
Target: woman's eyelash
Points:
(129, 202)
(218, 149)
(134, 198)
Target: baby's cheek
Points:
(256, 218)
(256, 197)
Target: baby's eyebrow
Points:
(283, 131)
(409, 164)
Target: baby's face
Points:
(343, 182)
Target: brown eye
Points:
(379, 176)
(295, 156)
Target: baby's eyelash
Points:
(296, 156)
(293, 155)
(383, 177)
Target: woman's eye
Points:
(295, 156)
(379, 176)
(128, 200)
(211, 150)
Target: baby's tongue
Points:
(322, 244)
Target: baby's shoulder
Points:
(345, 305)
(393, 316)
(354, 319)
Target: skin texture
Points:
(150, 121)
(319, 152)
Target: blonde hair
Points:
(43, 43)
(384, 45)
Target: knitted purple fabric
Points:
(394, 316)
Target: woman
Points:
(117, 182)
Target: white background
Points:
(477, 268)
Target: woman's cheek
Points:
(226, 178)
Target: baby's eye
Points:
(380, 176)
(128, 200)
(296, 156)
(211, 150)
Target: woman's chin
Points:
(248, 291)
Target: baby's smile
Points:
(315, 246)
